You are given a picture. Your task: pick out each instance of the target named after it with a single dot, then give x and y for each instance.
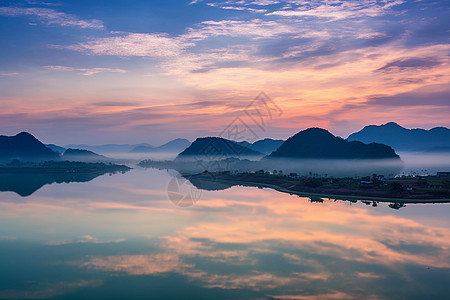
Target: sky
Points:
(97, 71)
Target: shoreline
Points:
(308, 191)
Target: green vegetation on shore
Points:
(406, 187)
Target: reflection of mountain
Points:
(214, 148)
(318, 143)
(402, 139)
(208, 183)
(26, 184)
(175, 146)
(25, 180)
(24, 147)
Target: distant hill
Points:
(83, 156)
(56, 148)
(175, 146)
(317, 143)
(215, 148)
(266, 146)
(402, 139)
(25, 147)
(108, 148)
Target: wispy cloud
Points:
(133, 44)
(84, 239)
(9, 74)
(410, 63)
(84, 71)
(51, 17)
(255, 29)
(338, 10)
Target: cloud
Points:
(410, 63)
(133, 44)
(9, 74)
(86, 72)
(84, 239)
(115, 103)
(255, 29)
(432, 95)
(338, 10)
(51, 17)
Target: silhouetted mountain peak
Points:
(401, 138)
(212, 148)
(82, 155)
(318, 143)
(24, 146)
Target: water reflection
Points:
(27, 184)
(120, 237)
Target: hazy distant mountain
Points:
(215, 148)
(108, 148)
(175, 146)
(56, 148)
(317, 143)
(83, 156)
(25, 147)
(402, 139)
(266, 146)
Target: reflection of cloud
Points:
(84, 239)
(337, 296)
(50, 290)
(51, 16)
(137, 264)
(264, 244)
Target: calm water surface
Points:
(120, 237)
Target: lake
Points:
(122, 237)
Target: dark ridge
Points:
(25, 147)
(215, 148)
(402, 139)
(317, 143)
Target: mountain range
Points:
(265, 146)
(317, 143)
(369, 143)
(108, 148)
(401, 139)
(174, 146)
